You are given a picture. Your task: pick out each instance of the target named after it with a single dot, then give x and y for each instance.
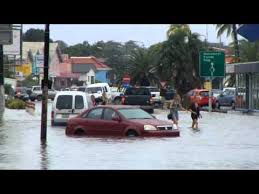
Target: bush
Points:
(15, 104)
(8, 90)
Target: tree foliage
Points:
(34, 35)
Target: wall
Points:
(101, 76)
(84, 77)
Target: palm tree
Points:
(174, 28)
(231, 29)
(142, 66)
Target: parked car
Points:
(68, 104)
(21, 93)
(216, 92)
(202, 97)
(155, 94)
(118, 120)
(82, 89)
(37, 93)
(98, 89)
(226, 98)
(138, 96)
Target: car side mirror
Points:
(116, 118)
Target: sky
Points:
(146, 34)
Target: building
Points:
(91, 69)
(33, 53)
(247, 73)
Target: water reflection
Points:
(44, 156)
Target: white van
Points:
(68, 104)
(98, 89)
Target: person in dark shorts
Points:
(195, 114)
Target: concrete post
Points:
(2, 100)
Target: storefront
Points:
(247, 84)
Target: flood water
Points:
(225, 141)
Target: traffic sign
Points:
(6, 34)
(212, 64)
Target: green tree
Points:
(231, 30)
(62, 45)
(174, 28)
(34, 35)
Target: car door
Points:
(111, 127)
(93, 122)
(79, 104)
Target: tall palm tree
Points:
(173, 28)
(230, 29)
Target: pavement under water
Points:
(223, 141)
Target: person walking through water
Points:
(175, 105)
(195, 114)
(104, 98)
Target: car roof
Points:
(70, 93)
(98, 85)
(119, 106)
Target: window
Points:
(137, 91)
(93, 90)
(135, 113)
(109, 114)
(79, 102)
(92, 79)
(95, 113)
(88, 78)
(81, 89)
(205, 94)
(64, 102)
(105, 88)
(154, 90)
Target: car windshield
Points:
(93, 90)
(135, 113)
(153, 89)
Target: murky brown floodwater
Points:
(224, 142)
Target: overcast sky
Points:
(146, 34)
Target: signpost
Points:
(211, 64)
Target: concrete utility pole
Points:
(2, 100)
(44, 111)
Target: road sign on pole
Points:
(211, 60)
(211, 64)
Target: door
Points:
(64, 106)
(111, 127)
(79, 104)
(93, 122)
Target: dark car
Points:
(119, 120)
(226, 98)
(138, 96)
(21, 93)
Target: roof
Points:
(118, 106)
(70, 93)
(98, 84)
(89, 60)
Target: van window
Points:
(105, 89)
(93, 90)
(64, 102)
(79, 102)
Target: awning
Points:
(249, 31)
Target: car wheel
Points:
(117, 101)
(79, 132)
(131, 133)
(233, 105)
(39, 98)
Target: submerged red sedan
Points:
(118, 120)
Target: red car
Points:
(119, 120)
(202, 97)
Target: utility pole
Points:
(44, 109)
(2, 100)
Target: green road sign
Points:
(212, 64)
